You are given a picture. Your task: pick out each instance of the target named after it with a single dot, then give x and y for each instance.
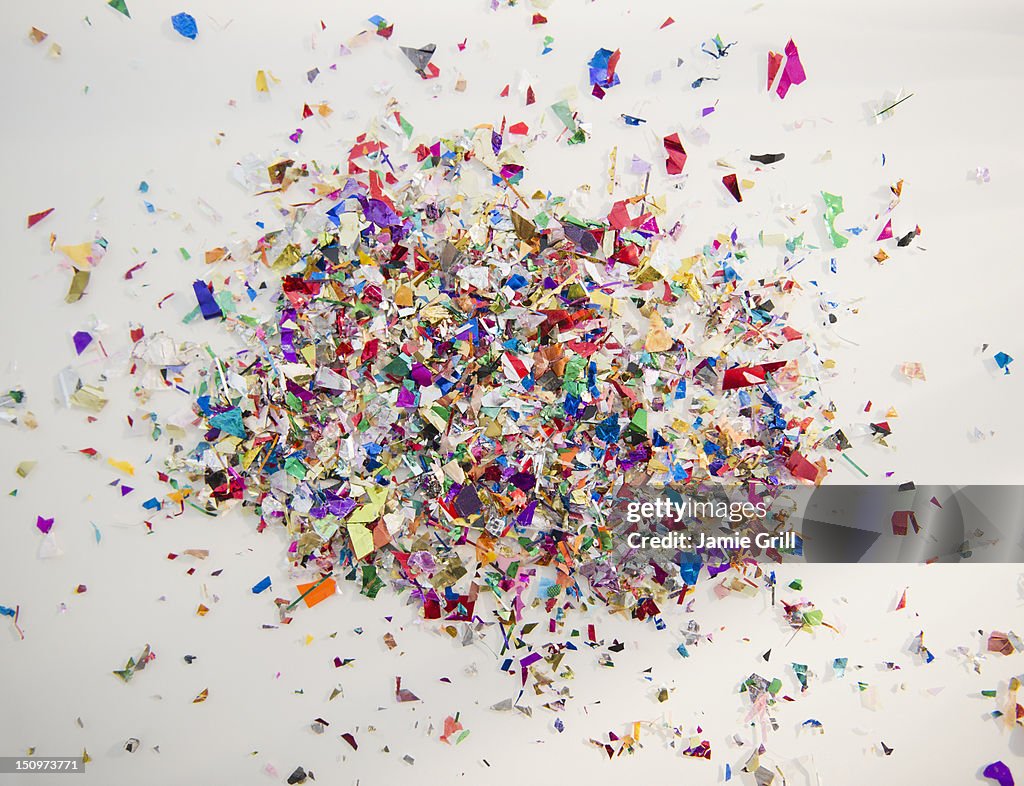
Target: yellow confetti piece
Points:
(370, 511)
(123, 466)
(362, 539)
(89, 397)
(80, 254)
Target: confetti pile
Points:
(452, 389)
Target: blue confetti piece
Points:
(689, 567)
(599, 64)
(1003, 361)
(207, 304)
(231, 422)
(608, 430)
(185, 25)
(261, 586)
(680, 390)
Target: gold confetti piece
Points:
(36, 36)
(202, 611)
(78, 284)
(89, 397)
(403, 297)
(204, 694)
(25, 468)
(216, 255)
(658, 339)
(611, 168)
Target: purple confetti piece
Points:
(1000, 773)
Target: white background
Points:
(155, 106)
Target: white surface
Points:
(155, 105)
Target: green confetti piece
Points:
(564, 113)
(295, 467)
(371, 582)
(814, 617)
(406, 127)
(833, 207)
(855, 465)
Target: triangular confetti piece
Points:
(903, 601)
(35, 218)
(120, 5)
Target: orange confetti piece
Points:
(321, 593)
